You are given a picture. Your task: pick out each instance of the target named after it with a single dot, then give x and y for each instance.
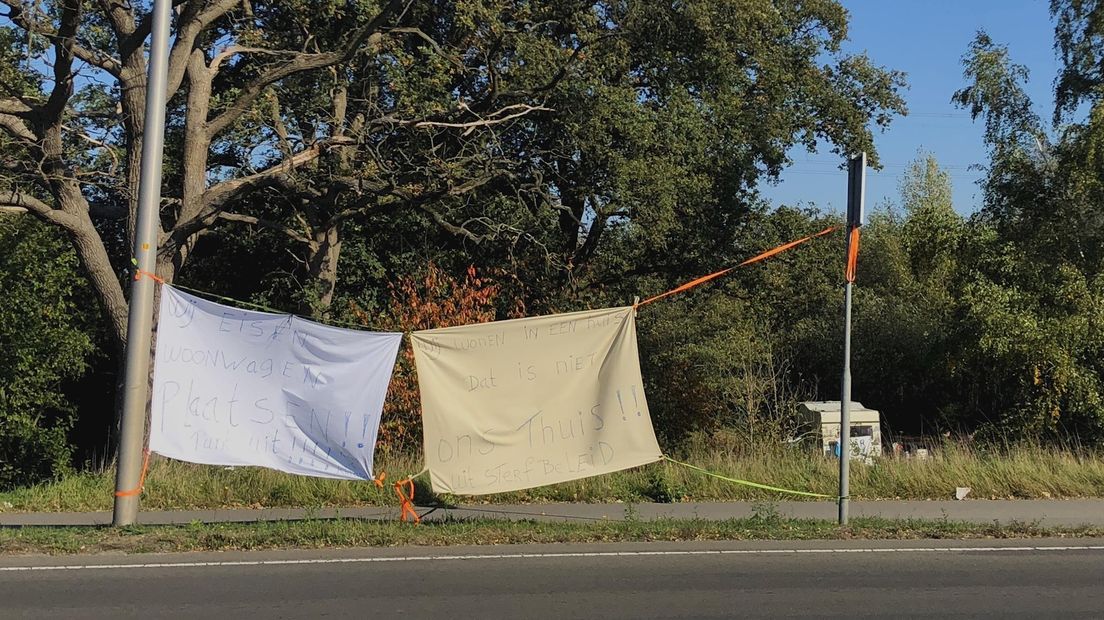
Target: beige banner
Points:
(529, 402)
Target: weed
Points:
(765, 512)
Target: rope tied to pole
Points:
(141, 480)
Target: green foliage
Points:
(1078, 32)
(44, 343)
(13, 54)
(710, 363)
(678, 111)
(1028, 353)
(662, 121)
(1036, 367)
(653, 129)
(905, 305)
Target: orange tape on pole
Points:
(754, 259)
(141, 479)
(852, 255)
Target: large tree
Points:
(75, 130)
(652, 125)
(559, 126)
(678, 111)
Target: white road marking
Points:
(519, 556)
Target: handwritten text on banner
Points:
(524, 403)
(237, 387)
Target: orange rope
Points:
(754, 259)
(689, 285)
(407, 502)
(852, 255)
(379, 479)
(141, 480)
(785, 246)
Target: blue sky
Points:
(926, 39)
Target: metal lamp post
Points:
(856, 190)
(140, 317)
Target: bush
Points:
(44, 344)
(430, 300)
(708, 364)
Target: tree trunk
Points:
(97, 266)
(132, 101)
(325, 251)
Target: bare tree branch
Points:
(17, 128)
(121, 15)
(418, 32)
(26, 202)
(449, 227)
(64, 42)
(83, 135)
(235, 50)
(218, 195)
(249, 219)
(192, 22)
(96, 58)
(14, 106)
(494, 118)
(21, 202)
(368, 35)
(280, 128)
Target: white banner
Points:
(524, 403)
(237, 387)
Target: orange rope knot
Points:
(141, 480)
(379, 479)
(138, 273)
(407, 500)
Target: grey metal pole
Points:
(845, 409)
(140, 319)
(856, 191)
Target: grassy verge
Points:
(1019, 473)
(356, 533)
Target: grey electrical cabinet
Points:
(824, 418)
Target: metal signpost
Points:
(140, 318)
(856, 190)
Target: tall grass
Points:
(1012, 472)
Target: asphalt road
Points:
(708, 580)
